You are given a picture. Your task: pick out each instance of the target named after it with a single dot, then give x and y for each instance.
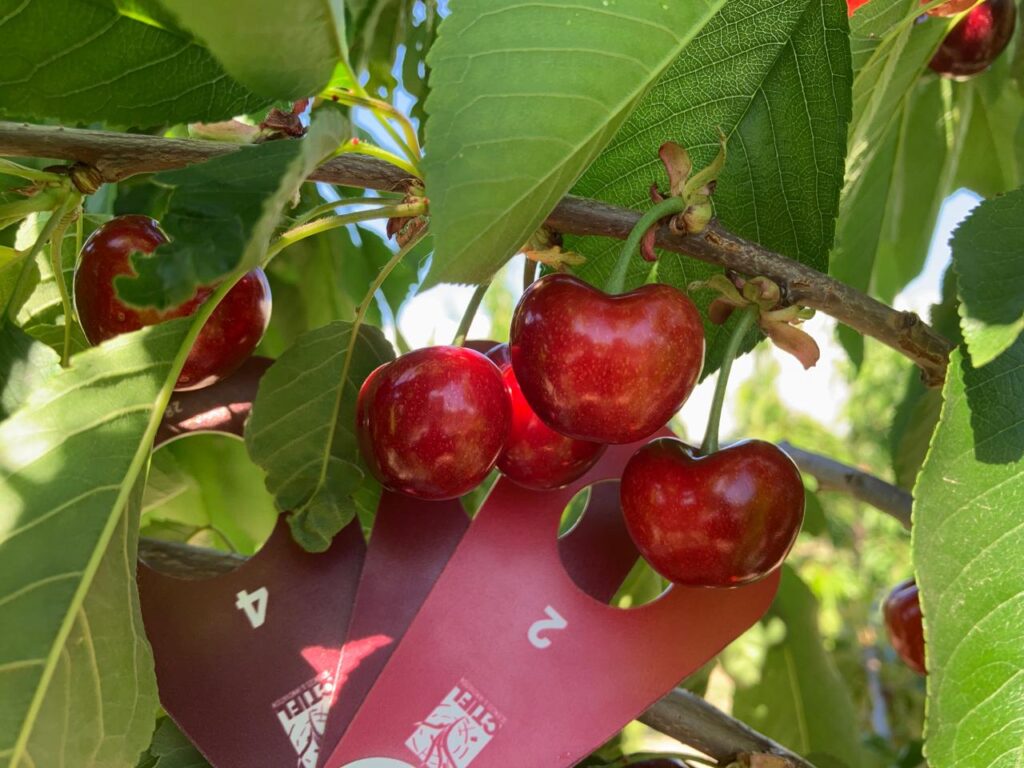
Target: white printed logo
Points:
(457, 730)
(303, 715)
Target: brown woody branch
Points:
(117, 156)
(681, 715)
(833, 475)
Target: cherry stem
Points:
(301, 232)
(617, 281)
(365, 148)
(332, 206)
(29, 174)
(27, 257)
(65, 214)
(469, 314)
(359, 98)
(746, 319)
(529, 272)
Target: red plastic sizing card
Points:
(509, 662)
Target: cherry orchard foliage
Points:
(81, 61)
(781, 93)
(300, 42)
(967, 540)
(505, 150)
(988, 254)
(113, 396)
(782, 66)
(302, 430)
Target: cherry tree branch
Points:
(116, 156)
(681, 715)
(833, 475)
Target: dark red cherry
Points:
(609, 369)
(225, 342)
(432, 423)
(720, 520)
(976, 41)
(536, 456)
(902, 612)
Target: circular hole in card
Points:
(599, 556)
(205, 492)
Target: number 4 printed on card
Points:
(254, 604)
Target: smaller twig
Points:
(833, 475)
(693, 721)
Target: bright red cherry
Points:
(976, 40)
(225, 342)
(902, 612)
(535, 455)
(609, 369)
(720, 520)
(432, 423)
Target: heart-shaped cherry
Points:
(432, 423)
(225, 342)
(720, 520)
(976, 41)
(609, 369)
(902, 613)
(535, 456)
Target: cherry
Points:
(224, 343)
(535, 456)
(902, 612)
(610, 369)
(976, 40)
(721, 520)
(432, 423)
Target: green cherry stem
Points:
(27, 257)
(301, 232)
(617, 281)
(747, 316)
(529, 272)
(30, 174)
(68, 211)
(469, 314)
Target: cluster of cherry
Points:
(584, 369)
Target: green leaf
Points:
(799, 698)
(891, 53)
(888, 212)
(81, 61)
(282, 51)
(967, 543)
(992, 161)
(776, 79)
(207, 486)
(988, 256)
(99, 707)
(378, 30)
(223, 212)
(25, 365)
(61, 500)
(522, 97)
(301, 430)
(912, 428)
(172, 749)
